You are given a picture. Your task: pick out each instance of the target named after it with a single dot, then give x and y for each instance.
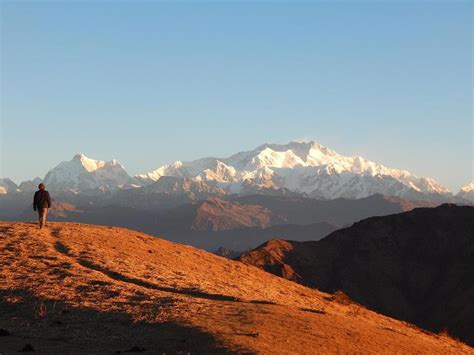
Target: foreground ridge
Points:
(74, 287)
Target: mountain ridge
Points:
(307, 169)
(415, 266)
(83, 173)
(302, 167)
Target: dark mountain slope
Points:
(417, 266)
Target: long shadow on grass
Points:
(56, 327)
(190, 292)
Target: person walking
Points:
(41, 203)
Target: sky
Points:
(149, 82)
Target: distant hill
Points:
(74, 288)
(416, 266)
(215, 214)
(339, 212)
(234, 222)
(243, 239)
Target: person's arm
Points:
(49, 199)
(34, 201)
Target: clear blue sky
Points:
(148, 83)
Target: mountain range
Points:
(301, 191)
(303, 169)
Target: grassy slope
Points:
(74, 288)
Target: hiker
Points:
(41, 202)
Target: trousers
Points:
(42, 212)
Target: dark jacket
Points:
(41, 200)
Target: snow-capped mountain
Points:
(295, 168)
(83, 173)
(177, 185)
(7, 186)
(467, 192)
(308, 168)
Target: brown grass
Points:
(75, 288)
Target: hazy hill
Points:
(339, 212)
(79, 288)
(417, 266)
(235, 222)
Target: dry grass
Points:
(75, 288)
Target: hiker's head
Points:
(41, 186)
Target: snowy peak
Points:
(272, 155)
(297, 153)
(83, 173)
(92, 165)
(7, 186)
(269, 158)
(183, 186)
(467, 192)
(166, 170)
(302, 167)
(219, 172)
(468, 188)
